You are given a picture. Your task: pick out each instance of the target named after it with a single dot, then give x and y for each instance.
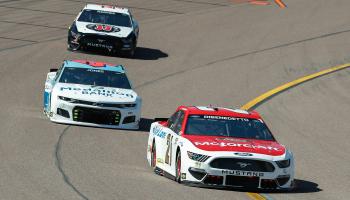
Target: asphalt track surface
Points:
(191, 52)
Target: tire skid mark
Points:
(133, 7)
(38, 42)
(8, 1)
(242, 55)
(37, 10)
(22, 40)
(30, 24)
(59, 163)
(204, 3)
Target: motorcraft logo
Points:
(232, 144)
(102, 28)
(98, 91)
(242, 173)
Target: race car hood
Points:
(95, 93)
(214, 143)
(103, 29)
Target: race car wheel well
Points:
(153, 154)
(177, 163)
(177, 151)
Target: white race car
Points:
(91, 94)
(104, 27)
(219, 147)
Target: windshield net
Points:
(103, 17)
(227, 127)
(96, 77)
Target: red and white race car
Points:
(219, 147)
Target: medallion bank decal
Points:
(98, 91)
(231, 144)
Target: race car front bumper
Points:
(265, 175)
(97, 41)
(122, 116)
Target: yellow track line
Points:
(255, 196)
(261, 98)
(281, 88)
(280, 3)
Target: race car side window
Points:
(58, 73)
(179, 121)
(172, 120)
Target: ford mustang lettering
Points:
(91, 94)
(219, 147)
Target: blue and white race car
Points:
(91, 94)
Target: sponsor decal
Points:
(183, 175)
(231, 139)
(224, 118)
(159, 160)
(97, 91)
(99, 45)
(243, 154)
(102, 28)
(232, 144)
(157, 131)
(181, 144)
(197, 164)
(242, 173)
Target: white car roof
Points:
(108, 8)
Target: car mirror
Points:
(53, 69)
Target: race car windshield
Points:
(104, 17)
(95, 77)
(227, 127)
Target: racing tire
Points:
(73, 47)
(130, 53)
(178, 168)
(153, 156)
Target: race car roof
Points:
(107, 8)
(219, 111)
(93, 65)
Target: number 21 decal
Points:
(168, 153)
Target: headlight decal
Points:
(283, 163)
(197, 157)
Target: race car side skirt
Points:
(161, 172)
